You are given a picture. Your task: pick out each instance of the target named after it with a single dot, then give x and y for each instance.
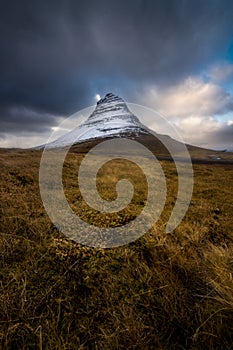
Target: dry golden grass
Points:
(163, 291)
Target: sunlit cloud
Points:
(195, 107)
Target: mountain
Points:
(111, 117)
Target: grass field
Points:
(163, 291)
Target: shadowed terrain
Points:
(156, 145)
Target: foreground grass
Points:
(163, 291)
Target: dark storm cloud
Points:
(224, 135)
(55, 55)
(32, 121)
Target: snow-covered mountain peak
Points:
(111, 117)
(109, 106)
(109, 98)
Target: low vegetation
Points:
(162, 291)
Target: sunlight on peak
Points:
(97, 97)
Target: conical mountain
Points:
(111, 117)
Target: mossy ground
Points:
(163, 291)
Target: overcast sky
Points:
(173, 56)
